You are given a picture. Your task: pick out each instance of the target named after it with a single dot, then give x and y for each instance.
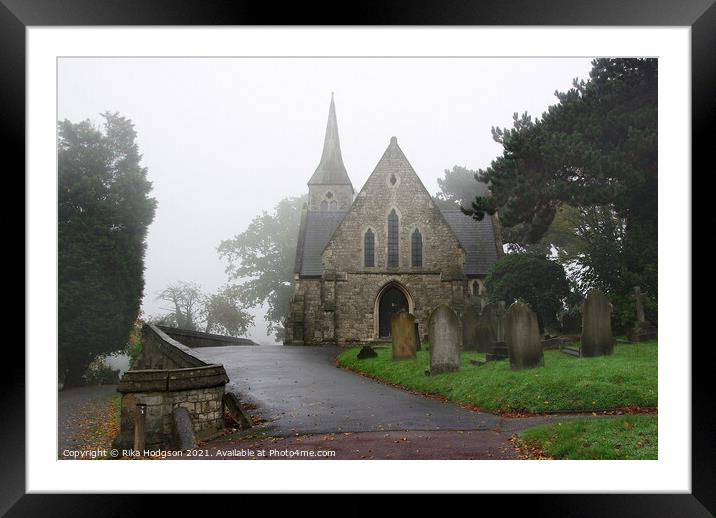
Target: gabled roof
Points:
(318, 229)
(330, 170)
(477, 238)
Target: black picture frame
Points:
(700, 15)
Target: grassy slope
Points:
(621, 438)
(626, 378)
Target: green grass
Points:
(626, 378)
(616, 438)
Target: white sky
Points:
(226, 138)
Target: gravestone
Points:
(444, 332)
(417, 337)
(597, 338)
(402, 331)
(491, 339)
(642, 329)
(470, 319)
(486, 332)
(522, 337)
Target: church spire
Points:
(330, 170)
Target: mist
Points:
(227, 138)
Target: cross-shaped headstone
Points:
(639, 298)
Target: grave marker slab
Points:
(470, 319)
(522, 337)
(597, 338)
(402, 330)
(445, 334)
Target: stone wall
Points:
(311, 290)
(354, 288)
(341, 194)
(414, 206)
(357, 298)
(341, 306)
(199, 339)
(165, 376)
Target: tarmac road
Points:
(300, 390)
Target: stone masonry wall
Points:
(392, 185)
(342, 194)
(166, 376)
(205, 406)
(311, 289)
(442, 252)
(356, 300)
(198, 339)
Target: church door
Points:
(391, 302)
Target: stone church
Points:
(363, 256)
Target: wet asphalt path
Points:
(300, 390)
(74, 407)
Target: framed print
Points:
(432, 238)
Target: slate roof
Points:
(318, 229)
(477, 238)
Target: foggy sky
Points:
(226, 138)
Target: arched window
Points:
(333, 205)
(392, 239)
(324, 205)
(416, 242)
(369, 248)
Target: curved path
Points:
(299, 390)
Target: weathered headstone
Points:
(417, 337)
(597, 338)
(642, 329)
(402, 330)
(470, 318)
(444, 332)
(522, 337)
(486, 332)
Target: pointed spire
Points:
(330, 170)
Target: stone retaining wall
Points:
(199, 339)
(165, 376)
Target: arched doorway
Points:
(391, 300)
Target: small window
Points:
(324, 205)
(393, 179)
(392, 239)
(369, 248)
(329, 195)
(333, 205)
(417, 248)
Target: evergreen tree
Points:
(538, 281)
(104, 210)
(595, 151)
